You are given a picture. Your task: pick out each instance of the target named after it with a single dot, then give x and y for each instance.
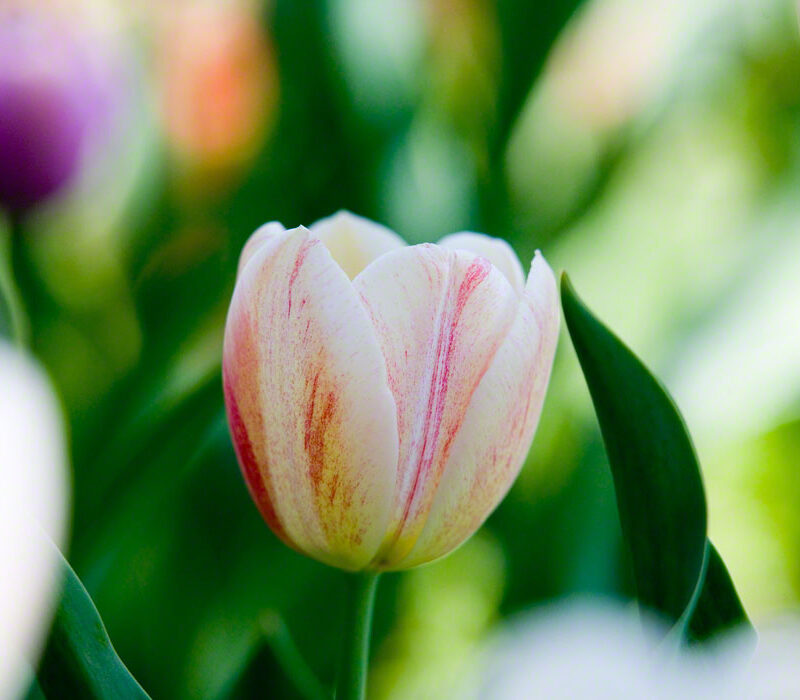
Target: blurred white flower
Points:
(33, 507)
(589, 649)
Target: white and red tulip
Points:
(382, 397)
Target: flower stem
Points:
(352, 683)
(13, 321)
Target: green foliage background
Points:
(671, 199)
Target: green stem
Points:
(13, 321)
(352, 683)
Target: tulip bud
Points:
(48, 101)
(33, 497)
(382, 398)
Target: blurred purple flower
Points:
(51, 100)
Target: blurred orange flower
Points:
(218, 83)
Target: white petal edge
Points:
(303, 362)
(495, 250)
(354, 241)
(499, 425)
(259, 237)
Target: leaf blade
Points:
(79, 659)
(660, 494)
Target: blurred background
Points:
(649, 147)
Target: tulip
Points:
(382, 397)
(33, 506)
(50, 102)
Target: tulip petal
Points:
(495, 250)
(313, 419)
(497, 431)
(354, 242)
(441, 316)
(268, 231)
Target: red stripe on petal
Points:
(437, 399)
(253, 476)
(319, 413)
(302, 253)
(322, 442)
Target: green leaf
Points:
(660, 496)
(272, 666)
(718, 607)
(527, 39)
(79, 660)
(657, 480)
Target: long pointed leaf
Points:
(657, 480)
(79, 660)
